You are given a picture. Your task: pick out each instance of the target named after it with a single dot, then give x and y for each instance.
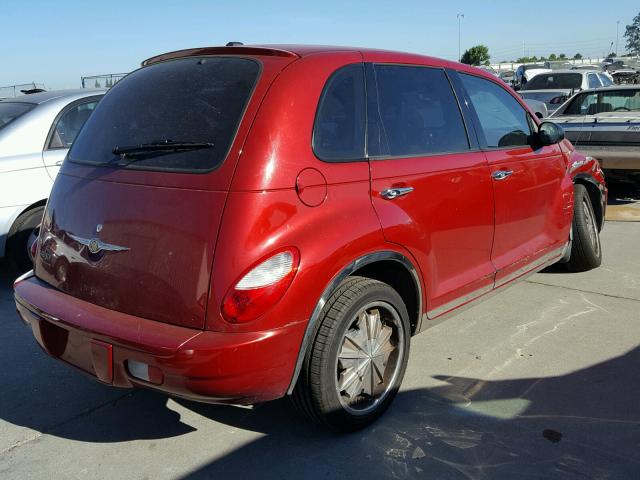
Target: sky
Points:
(57, 42)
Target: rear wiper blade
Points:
(167, 146)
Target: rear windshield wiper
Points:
(158, 148)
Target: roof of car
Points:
(41, 97)
(299, 51)
(567, 70)
(276, 50)
(611, 88)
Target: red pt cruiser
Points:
(236, 224)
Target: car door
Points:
(530, 198)
(430, 184)
(64, 130)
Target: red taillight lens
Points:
(261, 287)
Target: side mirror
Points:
(549, 133)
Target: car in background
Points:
(555, 87)
(524, 73)
(558, 65)
(605, 123)
(36, 131)
(586, 67)
(507, 76)
(538, 107)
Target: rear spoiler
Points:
(231, 50)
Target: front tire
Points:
(586, 250)
(357, 360)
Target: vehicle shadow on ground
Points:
(583, 424)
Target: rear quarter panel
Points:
(264, 211)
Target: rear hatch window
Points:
(544, 81)
(175, 116)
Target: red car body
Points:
(189, 237)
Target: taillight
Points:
(261, 287)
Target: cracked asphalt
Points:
(540, 381)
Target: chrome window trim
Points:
(337, 279)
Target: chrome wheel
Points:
(591, 226)
(369, 358)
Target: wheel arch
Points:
(388, 266)
(13, 222)
(595, 195)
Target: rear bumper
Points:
(194, 364)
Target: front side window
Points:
(9, 111)
(178, 115)
(418, 112)
(503, 121)
(593, 103)
(68, 125)
(339, 129)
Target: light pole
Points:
(460, 17)
(617, 28)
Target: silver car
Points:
(36, 132)
(556, 86)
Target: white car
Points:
(554, 87)
(36, 132)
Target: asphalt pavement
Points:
(540, 381)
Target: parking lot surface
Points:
(538, 382)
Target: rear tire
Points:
(586, 251)
(355, 365)
(18, 239)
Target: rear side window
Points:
(338, 133)
(9, 111)
(69, 124)
(418, 112)
(503, 121)
(606, 81)
(194, 103)
(593, 80)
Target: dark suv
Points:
(236, 224)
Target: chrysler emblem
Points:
(95, 245)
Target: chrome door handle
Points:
(501, 174)
(391, 193)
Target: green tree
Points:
(476, 55)
(562, 56)
(577, 56)
(632, 34)
(612, 55)
(552, 57)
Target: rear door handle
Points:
(391, 193)
(501, 174)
